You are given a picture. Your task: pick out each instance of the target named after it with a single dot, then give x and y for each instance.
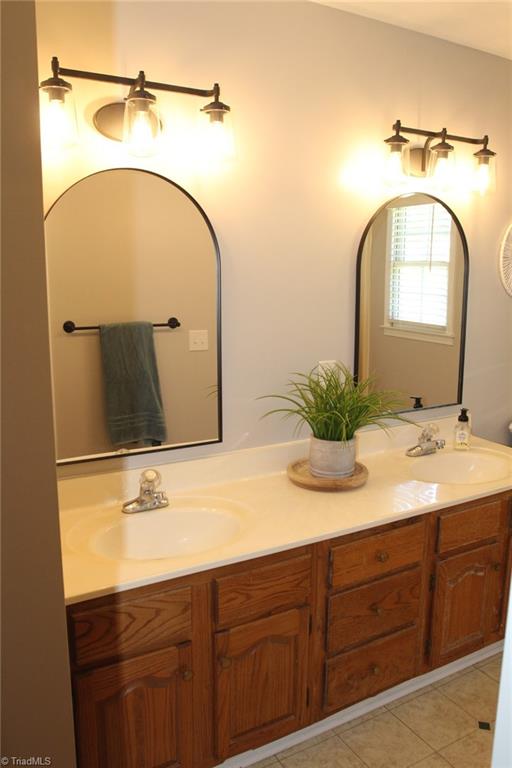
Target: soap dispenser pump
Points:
(462, 431)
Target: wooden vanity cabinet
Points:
(375, 607)
(136, 692)
(262, 616)
(137, 712)
(186, 673)
(469, 578)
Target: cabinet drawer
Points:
(469, 526)
(377, 554)
(129, 628)
(363, 613)
(259, 591)
(363, 672)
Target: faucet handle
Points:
(428, 432)
(150, 479)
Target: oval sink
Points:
(185, 527)
(477, 465)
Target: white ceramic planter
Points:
(332, 458)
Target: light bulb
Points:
(58, 125)
(482, 177)
(394, 171)
(219, 140)
(142, 126)
(443, 172)
(141, 138)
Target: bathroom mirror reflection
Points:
(412, 278)
(126, 246)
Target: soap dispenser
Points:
(462, 431)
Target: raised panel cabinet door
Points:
(138, 713)
(467, 602)
(261, 681)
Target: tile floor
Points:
(436, 727)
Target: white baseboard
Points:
(361, 708)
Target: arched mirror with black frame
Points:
(411, 301)
(126, 246)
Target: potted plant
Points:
(335, 406)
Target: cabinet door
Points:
(261, 681)
(467, 602)
(138, 713)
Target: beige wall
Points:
(416, 368)
(121, 246)
(311, 93)
(36, 694)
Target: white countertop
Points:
(276, 515)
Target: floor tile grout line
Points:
(363, 762)
(417, 736)
(451, 745)
(460, 705)
(434, 754)
(405, 726)
(451, 742)
(465, 710)
(488, 675)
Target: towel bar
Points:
(70, 327)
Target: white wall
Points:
(311, 88)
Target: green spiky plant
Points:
(335, 405)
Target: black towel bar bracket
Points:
(70, 327)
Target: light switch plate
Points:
(197, 341)
(326, 365)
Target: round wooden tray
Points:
(298, 472)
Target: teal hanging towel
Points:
(133, 398)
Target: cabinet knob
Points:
(376, 609)
(496, 566)
(187, 674)
(382, 556)
(225, 662)
(375, 669)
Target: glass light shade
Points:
(442, 169)
(58, 118)
(484, 175)
(394, 170)
(142, 127)
(218, 137)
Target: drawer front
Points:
(259, 591)
(469, 526)
(363, 672)
(361, 614)
(376, 555)
(130, 628)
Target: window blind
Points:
(419, 271)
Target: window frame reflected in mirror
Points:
(430, 335)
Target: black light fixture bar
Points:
(100, 77)
(438, 134)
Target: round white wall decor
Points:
(506, 260)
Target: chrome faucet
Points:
(427, 442)
(149, 497)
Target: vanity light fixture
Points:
(436, 160)
(134, 121)
(59, 117)
(396, 143)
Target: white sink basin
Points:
(477, 465)
(186, 527)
